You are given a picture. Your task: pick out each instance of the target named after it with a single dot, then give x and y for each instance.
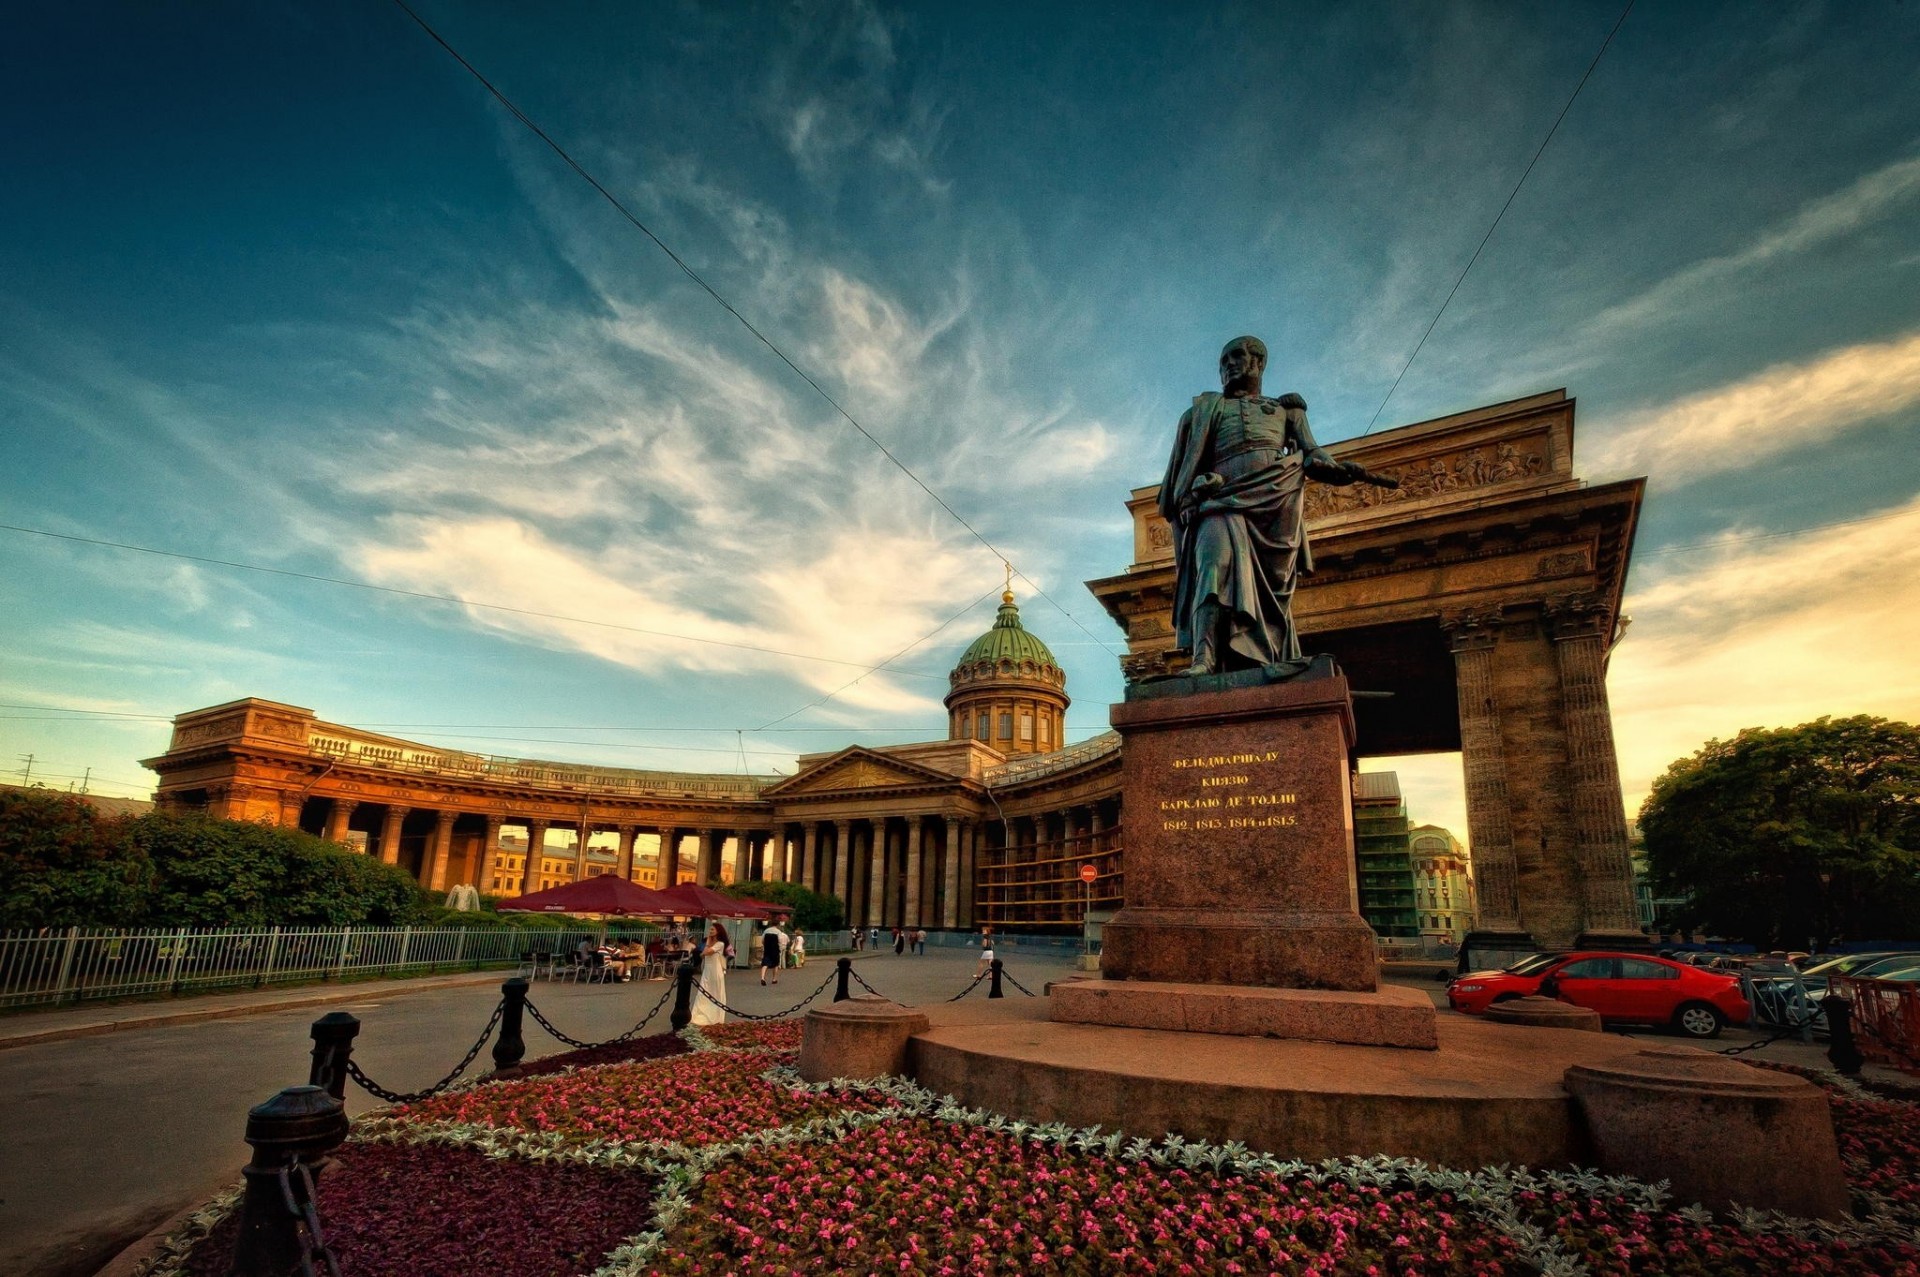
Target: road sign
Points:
(1088, 873)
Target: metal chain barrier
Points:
(306, 1216)
(700, 991)
(974, 984)
(394, 1097)
(577, 1044)
(1790, 1031)
(1008, 977)
(861, 981)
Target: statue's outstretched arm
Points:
(1319, 462)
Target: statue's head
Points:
(1242, 358)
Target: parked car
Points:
(1625, 988)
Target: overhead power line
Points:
(628, 215)
(1511, 195)
(447, 598)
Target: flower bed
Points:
(430, 1211)
(642, 1159)
(659, 1046)
(925, 1196)
(705, 1098)
(778, 1035)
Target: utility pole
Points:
(26, 773)
(85, 778)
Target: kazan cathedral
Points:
(991, 825)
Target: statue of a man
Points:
(1235, 495)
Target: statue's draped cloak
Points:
(1243, 544)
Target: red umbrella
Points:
(606, 894)
(695, 901)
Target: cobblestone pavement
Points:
(108, 1134)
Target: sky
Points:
(282, 285)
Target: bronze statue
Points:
(1234, 497)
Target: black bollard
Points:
(333, 1035)
(993, 989)
(683, 997)
(300, 1124)
(511, 1046)
(840, 991)
(1841, 1050)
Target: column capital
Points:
(447, 817)
(1577, 616)
(1470, 629)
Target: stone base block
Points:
(1724, 1133)
(1392, 1016)
(1544, 1013)
(1241, 947)
(859, 1038)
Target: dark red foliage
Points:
(657, 1047)
(397, 1210)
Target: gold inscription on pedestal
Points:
(1211, 782)
(1209, 761)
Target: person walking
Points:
(772, 940)
(986, 952)
(708, 1005)
(899, 941)
(798, 949)
(920, 941)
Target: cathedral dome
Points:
(1007, 689)
(1008, 640)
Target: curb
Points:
(358, 993)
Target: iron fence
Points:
(1886, 1019)
(71, 964)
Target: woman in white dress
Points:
(713, 979)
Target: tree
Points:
(62, 864)
(811, 910)
(1795, 835)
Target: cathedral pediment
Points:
(857, 769)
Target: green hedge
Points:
(64, 864)
(811, 910)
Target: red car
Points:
(1627, 988)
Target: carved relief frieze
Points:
(1562, 563)
(1478, 467)
(1577, 615)
(281, 728)
(200, 733)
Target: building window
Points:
(1044, 739)
(1026, 727)
(1006, 726)
(980, 726)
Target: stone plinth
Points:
(1240, 840)
(1544, 1013)
(1390, 1016)
(1724, 1133)
(1490, 1094)
(858, 1038)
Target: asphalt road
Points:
(108, 1136)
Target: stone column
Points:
(489, 854)
(707, 868)
(1580, 628)
(442, 845)
(536, 856)
(876, 873)
(842, 867)
(950, 885)
(580, 833)
(290, 805)
(625, 863)
(337, 818)
(743, 868)
(390, 834)
(975, 831)
(911, 913)
(774, 866)
(809, 843)
(1483, 757)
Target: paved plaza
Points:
(111, 1133)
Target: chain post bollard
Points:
(683, 997)
(511, 1046)
(840, 991)
(993, 990)
(295, 1128)
(1841, 1049)
(333, 1035)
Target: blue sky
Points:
(280, 284)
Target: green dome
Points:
(1008, 640)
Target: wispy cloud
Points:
(1765, 635)
(1821, 221)
(1788, 406)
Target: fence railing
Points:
(71, 964)
(1886, 1019)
